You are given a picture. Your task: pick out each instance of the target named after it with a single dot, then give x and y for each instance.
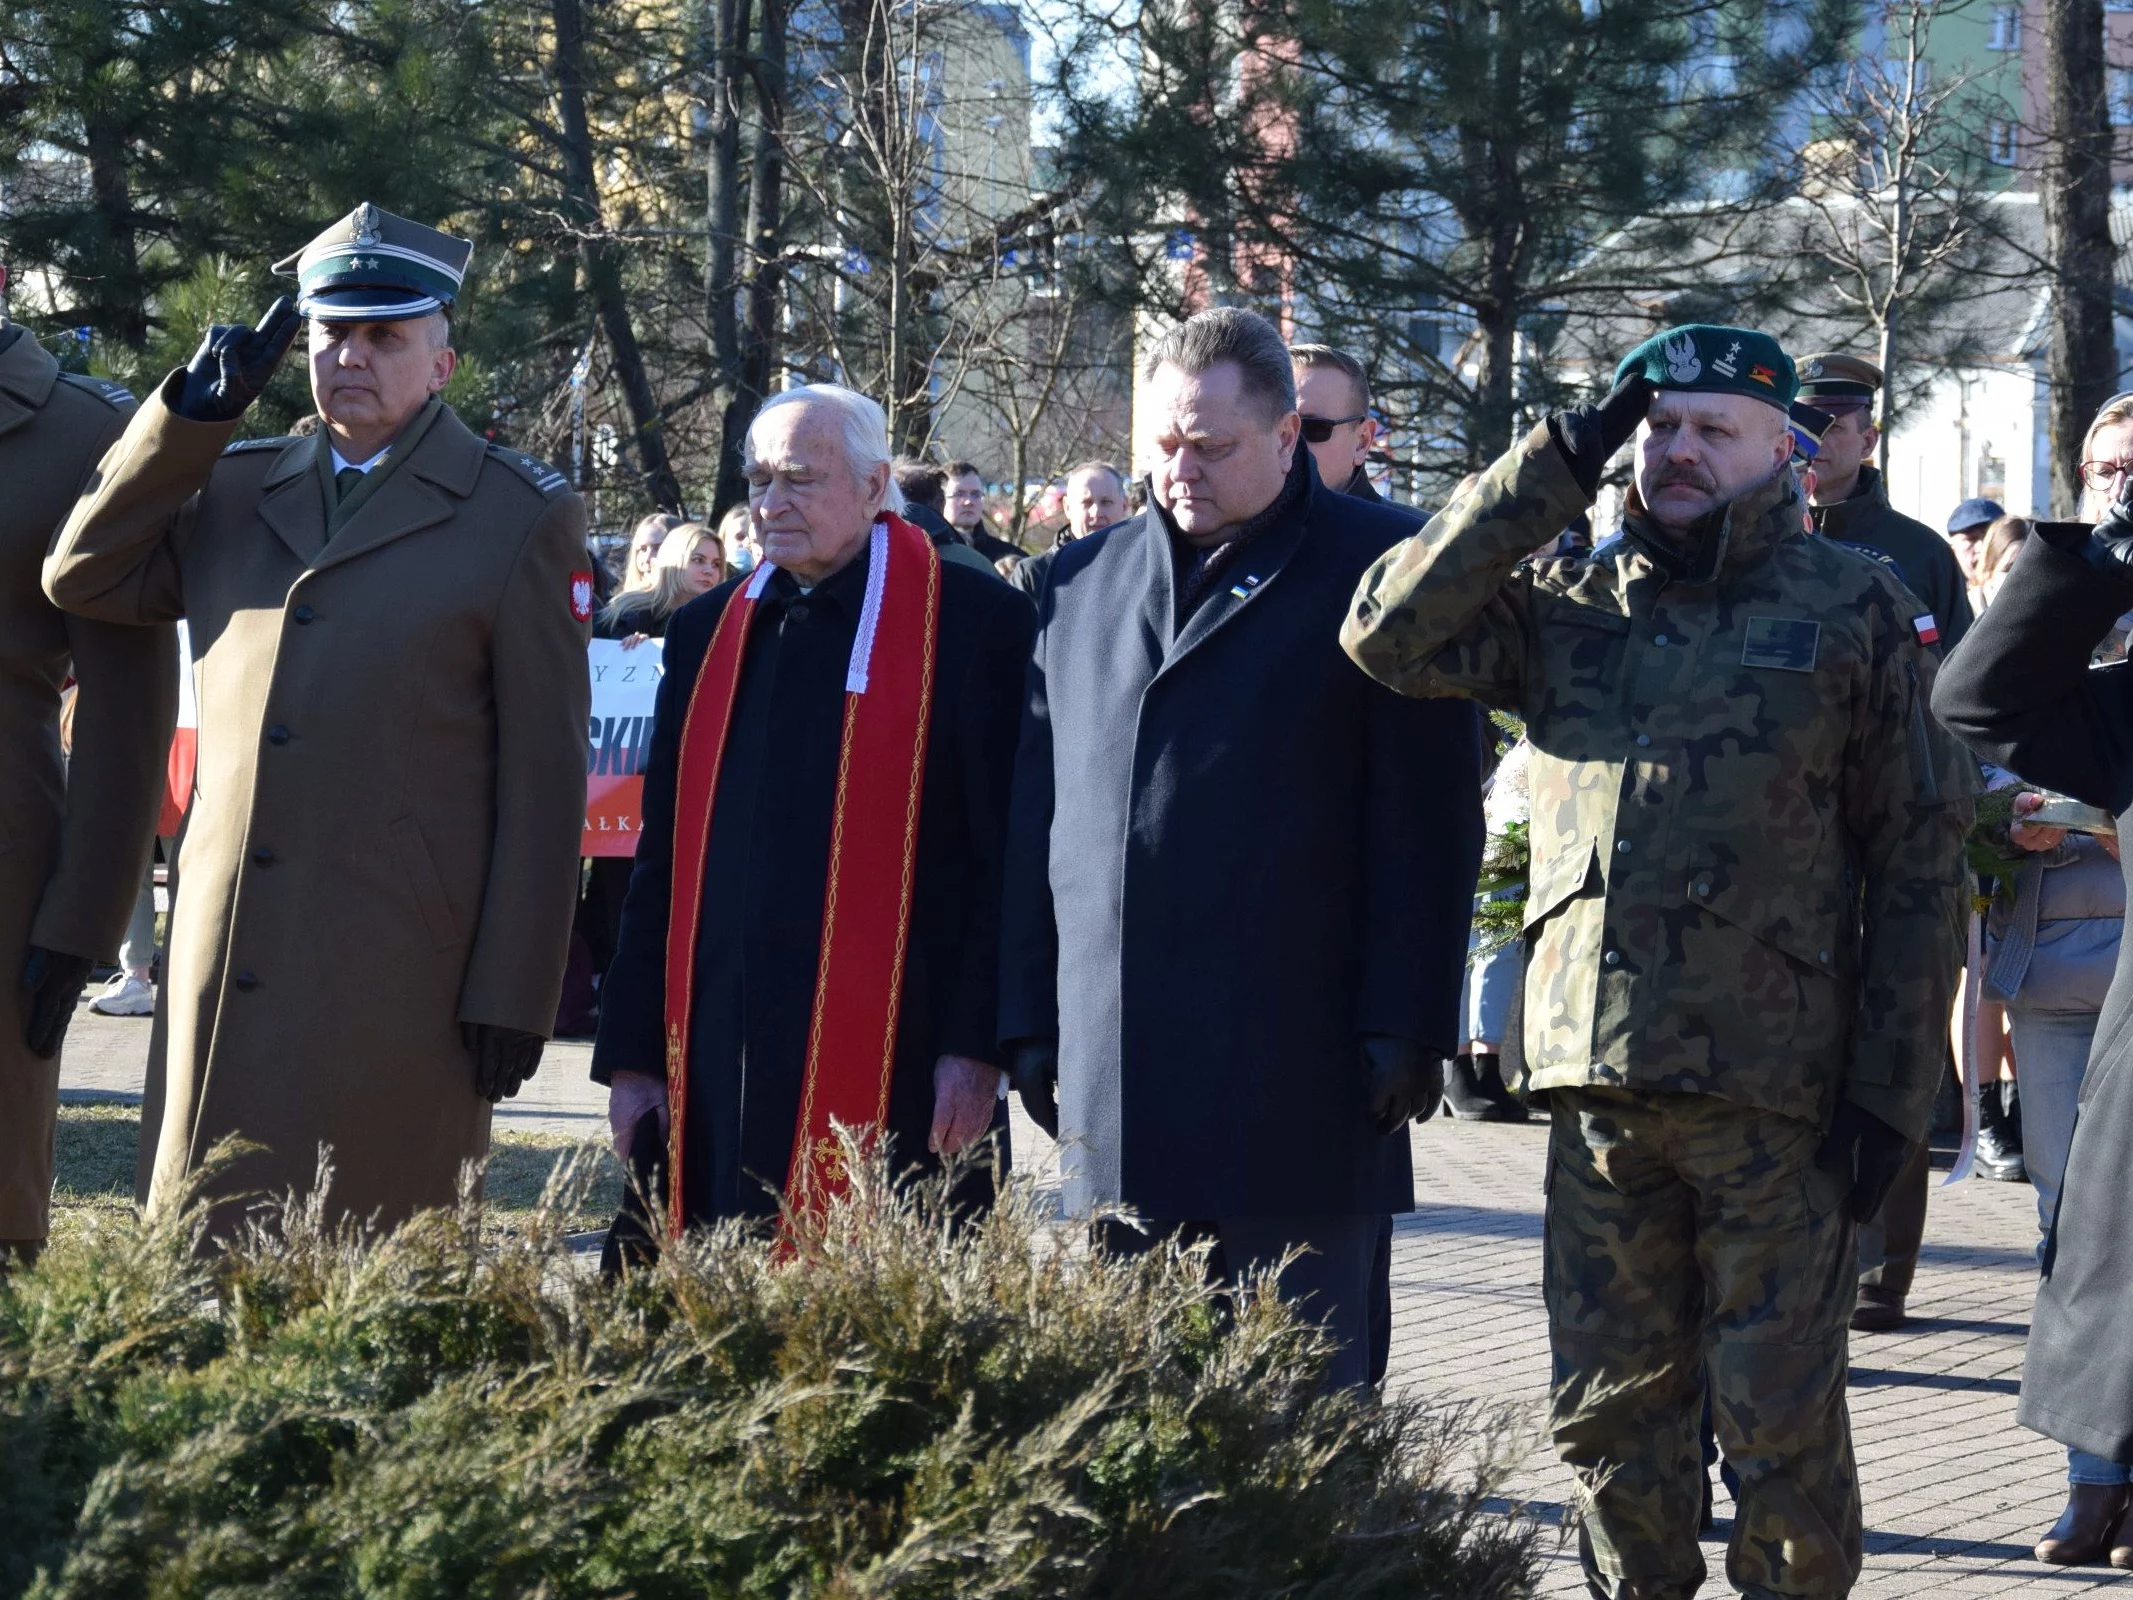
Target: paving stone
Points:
(1955, 1493)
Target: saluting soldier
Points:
(1747, 836)
(388, 624)
(74, 836)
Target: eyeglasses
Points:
(2103, 474)
(1317, 430)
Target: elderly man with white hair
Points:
(811, 929)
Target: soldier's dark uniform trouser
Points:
(1687, 1233)
(1889, 1240)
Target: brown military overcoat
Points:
(383, 840)
(74, 841)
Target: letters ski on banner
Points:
(624, 685)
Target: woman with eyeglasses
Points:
(2023, 692)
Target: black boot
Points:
(1999, 1148)
(1474, 1091)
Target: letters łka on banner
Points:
(624, 686)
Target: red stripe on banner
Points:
(178, 780)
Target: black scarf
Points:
(1199, 568)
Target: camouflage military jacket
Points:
(1747, 831)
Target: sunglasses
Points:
(1317, 430)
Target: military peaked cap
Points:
(1838, 379)
(372, 266)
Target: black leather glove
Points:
(1589, 436)
(1867, 1152)
(232, 366)
(2109, 547)
(504, 1058)
(52, 983)
(1035, 1075)
(1404, 1082)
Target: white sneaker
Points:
(126, 996)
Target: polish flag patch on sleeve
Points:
(1928, 629)
(581, 596)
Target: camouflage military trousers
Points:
(1693, 1240)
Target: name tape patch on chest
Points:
(1785, 643)
(581, 596)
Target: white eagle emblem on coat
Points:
(581, 596)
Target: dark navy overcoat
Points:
(1230, 854)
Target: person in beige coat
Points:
(74, 837)
(388, 623)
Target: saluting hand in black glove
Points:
(1589, 436)
(1035, 1076)
(231, 368)
(2110, 543)
(52, 983)
(1404, 1082)
(1867, 1152)
(504, 1058)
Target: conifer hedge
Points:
(907, 1406)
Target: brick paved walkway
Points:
(1955, 1493)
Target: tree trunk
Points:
(599, 259)
(722, 193)
(1886, 354)
(120, 301)
(2077, 236)
(766, 245)
(1497, 143)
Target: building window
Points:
(2121, 97)
(2006, 28)
(2002, 144)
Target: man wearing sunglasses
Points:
(1333, 400)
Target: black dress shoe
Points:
(1474, 1091)
(1879, 1310)
(2086, 1528)
(1999, 1147)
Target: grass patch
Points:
(97, 1143)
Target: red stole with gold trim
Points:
(873, 855)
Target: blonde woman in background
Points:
(691, 561)
(642, 556)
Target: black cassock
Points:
(759, 940)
